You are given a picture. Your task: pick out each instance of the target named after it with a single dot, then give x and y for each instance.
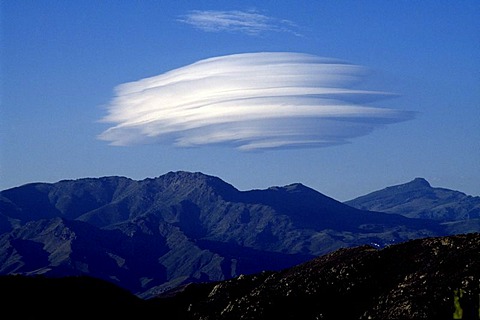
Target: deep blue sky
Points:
(61, 61)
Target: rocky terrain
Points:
(413, 280)
(430, 278)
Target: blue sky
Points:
(63, 63)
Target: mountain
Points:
(417, 279)
(429, 278)
(152, 235)
(418, 199)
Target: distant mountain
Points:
(152, 235)
(418, 199)
(429, 278)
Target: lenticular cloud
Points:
(250, 101)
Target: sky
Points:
(346, 97)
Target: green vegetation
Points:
(457, 295)
(471, 305)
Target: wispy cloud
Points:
(250, 101)
(249, 22)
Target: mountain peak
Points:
(181, 177)
(418, 199)
(189, 181)
(420, 182)
(290, 187)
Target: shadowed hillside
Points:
(414, 280)
(430, 278)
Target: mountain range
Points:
(155, 235)
(428, 278)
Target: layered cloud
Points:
(249, 22)
(249, 101)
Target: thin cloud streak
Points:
(248, 22)
(250, 101)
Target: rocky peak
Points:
(420, 183)
(182, 179)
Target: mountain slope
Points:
(413, 280)
(155, 234)
(428, 278)
(418, 199)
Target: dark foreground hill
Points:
(414, 280)
(430, 278)
(152, 235)
(73, 297)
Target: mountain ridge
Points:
(374, 284)
(440, 279)
(155, 234)
(418, 199)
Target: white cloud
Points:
(250, 101)
(249, 22)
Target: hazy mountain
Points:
(418, 199)
(418, 279)
(152, 235)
